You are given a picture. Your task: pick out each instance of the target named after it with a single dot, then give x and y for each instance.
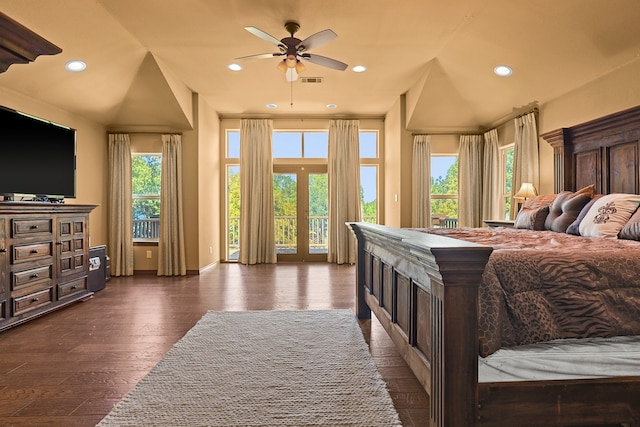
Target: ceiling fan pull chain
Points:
(291, 93)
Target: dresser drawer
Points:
(32, 301)
(21, 279)
(73, 287)
(28, 227)
(33, 251)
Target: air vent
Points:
(311, 79)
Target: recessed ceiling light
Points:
(359, 69)
(75, 65)
(272, 105)
(503, 71)
(332, 106)
(234, 67)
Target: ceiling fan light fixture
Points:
(291, 75)
(282, 66)
(291, 61)
(300, 67)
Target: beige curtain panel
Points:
(257, 235)
(470, 181)
(171, 252)
(421, 182)
(120, 214)
(526, 161)
(344, 189)
(491, 186)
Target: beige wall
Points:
(393, 127)
(608, 94)
(91, 152)
(209, 204)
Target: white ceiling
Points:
(441, 54)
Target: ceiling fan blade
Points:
(266, 37)
(316, 40)
(261, 56)
(324, 61)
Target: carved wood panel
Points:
(587, 167)
(623, 168)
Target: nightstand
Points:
(499, 222)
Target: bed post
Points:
(424, 291)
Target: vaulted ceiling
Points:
(143, 55)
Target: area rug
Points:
(263, 368)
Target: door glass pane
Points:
(233, 212)
(285, 202)
(318, 213)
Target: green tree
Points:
(446, 185)
(146, 178)
(318, 194)
(233, 191)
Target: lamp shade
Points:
(526, 191)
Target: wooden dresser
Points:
(44, 258)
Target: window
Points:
(506, 171)
(368, 149)
(232, 194)
(309, 149)
(444, 191)
(146, 175)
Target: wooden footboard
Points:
(424, 291)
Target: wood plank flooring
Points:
(70, 367)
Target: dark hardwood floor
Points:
(70, 367)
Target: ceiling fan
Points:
(293, 49)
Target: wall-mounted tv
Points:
(37, 157)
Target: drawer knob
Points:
(3, 250)
(34, 251)
(34, 227)
(74, 287)
(34, 275)
(36, 299)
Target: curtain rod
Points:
(144, 133)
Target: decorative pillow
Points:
(564, 210)
(574, 228)
(631, 229)
(589, 190)
(538, 201)
(532, 219)
(608, 215)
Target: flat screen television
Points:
(37, 157)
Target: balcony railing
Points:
(286, 234)
(146, 228)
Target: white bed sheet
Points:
(563, 359)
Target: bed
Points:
(428, 289)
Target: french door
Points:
(301, 202)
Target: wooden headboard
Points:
(604, 152)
